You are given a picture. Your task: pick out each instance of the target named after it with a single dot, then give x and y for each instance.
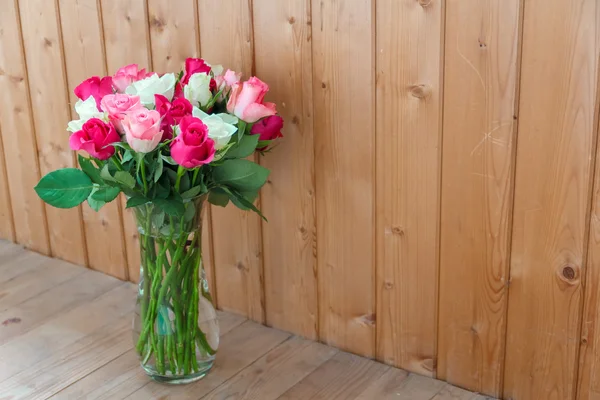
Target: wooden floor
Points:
(65, 333)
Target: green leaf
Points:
(136, 201)
(159, 170)
(218, 197)
(240, 174)
(244, 147)
(263, 143)
(241, 129)
(90, 169)
(105, 174)
(168, 160)
(193, 192)
(190, 211)
(125, 179)
(170, 206)
(65, 188)
(241, 202)
(106, 194)
(95, 204)
(127, 156)
(158, 219)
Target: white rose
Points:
(198, 89)
(217, 70)
(220, 126)
(148, 87)
(85, 109)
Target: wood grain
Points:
(173, 34)
(408, 160)
(338, 378)
(554, 156)
(480, 84)
(61, 298)
(123, 375)
(344, 157)
(84, 57)
(7, 228)
(226, 39)
(275, 372)
(20, 151)
(49, 103)
(126, 40)
(289, 238)
(588, 378)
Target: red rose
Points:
(96, 87)
(192, 147)
(180, 108)
(171, 113)
(193, 66)
(95, 138)
(268, 128)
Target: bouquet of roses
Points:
(168, 142)
(166, 138)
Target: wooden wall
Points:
(435, 203)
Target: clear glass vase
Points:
(176, 333)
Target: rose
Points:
(246, 101)
(197, 90)
(116, 105)
(94, 87)
(220, 126)
(128, 74)
(194, 66)
(95, 138)
(171, 113)
(85, 109)
(148, 87)
(268, 128)
(142, 129)
(192, 147)
(225, 82)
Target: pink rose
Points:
(228, 79)
(116, 105)
(96, 87)
(95, 138)
(193, 66)
(142, 129)
(246, 101)
(192, 147)
(225, 82)
(128, 74)
(268, 128)
(171, 113)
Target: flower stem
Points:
(143, 168)
(180, 172)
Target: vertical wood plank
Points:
(7, 225)
(409, 45)
(283, 31)
(20, 150)
(343, 86)
(48, 90)
(588, 384)
(172, 34)
(127, 41)
(84, 57)
(553, 175)
(226, 38)
(480, 83)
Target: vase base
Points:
(171, 379)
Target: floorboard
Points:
(65, 333)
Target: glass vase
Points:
(176, 333)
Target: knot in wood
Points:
(568, 272)
(424, 3)
(420, 91)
